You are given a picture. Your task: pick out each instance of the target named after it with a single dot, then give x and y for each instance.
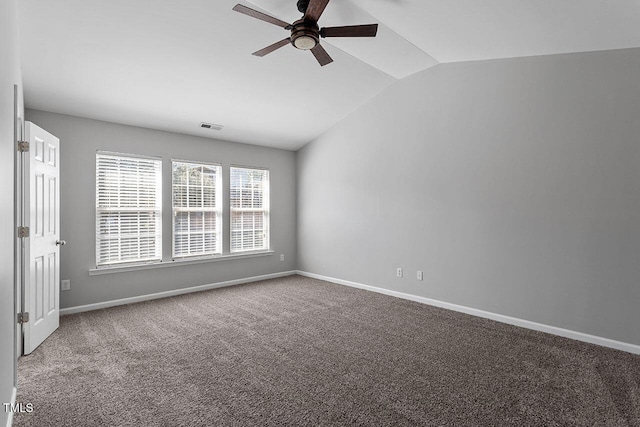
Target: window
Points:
(128, 209)
(249, 209)
(197, 209)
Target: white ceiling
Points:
(170, 65)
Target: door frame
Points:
(18, 132)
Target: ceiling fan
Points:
(305, 32)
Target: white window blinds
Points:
(197, 209)
(249, 201)
(128, 209)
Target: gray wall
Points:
(81, 138)
(9, 76)
(514, 184)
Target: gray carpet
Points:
(302, 352)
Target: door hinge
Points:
(23, 232)
(23, 318)
(23, 146)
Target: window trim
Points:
(219, 211)
(122, 268)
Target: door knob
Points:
(61, 242)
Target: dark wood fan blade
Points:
(269, 49)
(321, 55)
(259, 15)
(315, 9)
(350, 31)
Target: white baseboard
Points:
(165, 294)
(14, 395)
(605, 342)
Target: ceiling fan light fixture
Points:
(305, 35)
(305, 42)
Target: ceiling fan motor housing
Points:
(305, 35)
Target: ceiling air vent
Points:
(210, 126)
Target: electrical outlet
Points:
(420, 275)
(281, 257)
(399, 272)
(65, 285)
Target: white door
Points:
(41, 196)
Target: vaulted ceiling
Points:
(172, 64)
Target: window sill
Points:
(176, 262)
